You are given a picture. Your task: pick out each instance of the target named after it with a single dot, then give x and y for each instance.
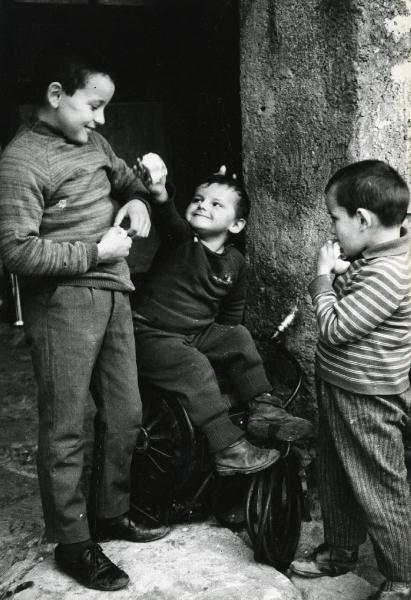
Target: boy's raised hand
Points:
(113, 245)
(330, 261)
(157, 188)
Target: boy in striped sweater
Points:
(363, 311)
(58, 179)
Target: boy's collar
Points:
(393, 248)
(44, 128)
(198, 239)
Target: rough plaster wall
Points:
(383, 121)
(322, 84)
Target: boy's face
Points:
(213, 210)
(345, 228)
(77, 115)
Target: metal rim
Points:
(274, 513)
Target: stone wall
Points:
(323, 83)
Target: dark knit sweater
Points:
(189, 286)
(56, 203)
(364, 321)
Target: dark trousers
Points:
(362, 475)
(185, 364)
(82, 340)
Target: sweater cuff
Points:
(144, 201)
(171, 191)
(321, 284)
(92, 256)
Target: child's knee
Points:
(241, 333)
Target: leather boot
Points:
(392, 590)
(124, 527)
(268, 421)
(244, 458)
(92, 568)
(326, 560)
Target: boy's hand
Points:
(330, 261)
(139, 218)
(113, 245)
(157, 188)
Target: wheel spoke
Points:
(161, 452)
(156, 464)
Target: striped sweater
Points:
(364, 321)
(56, 203)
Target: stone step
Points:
(196, 561)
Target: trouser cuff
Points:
(252, 382)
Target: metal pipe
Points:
(17, 300)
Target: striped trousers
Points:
(362, 476)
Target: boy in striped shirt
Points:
(363, 311)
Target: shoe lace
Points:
(96, 553)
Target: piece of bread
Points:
(155, 165)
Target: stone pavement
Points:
(201, 560)
(196, 561)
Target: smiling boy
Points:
(363, 311)
(188, 321)
(58, 180)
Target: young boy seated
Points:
(189, 317)
(363, 311)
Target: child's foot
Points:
(92, 568)
(244, 458)
(393, 590)
(124, 527)
(326, 560)
(267, 420)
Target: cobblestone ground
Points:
(20, 513)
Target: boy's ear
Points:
(54, 93)
(365, 218)
(237, 226)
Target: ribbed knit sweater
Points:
(364, 321)
(56, 203)
(188, 286)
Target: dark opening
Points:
(182, 55)
(177, 70)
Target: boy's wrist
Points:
(160, 196)
(322, 270)
(321, 284)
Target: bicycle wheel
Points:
(274, 512)
(164, 456)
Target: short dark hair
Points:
(242, 208)
(69, 66)
(374, 185)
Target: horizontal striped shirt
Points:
(364, 321)
(56, 203)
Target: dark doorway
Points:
(177, 72)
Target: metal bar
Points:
(17, 300)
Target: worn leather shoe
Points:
(326, 560)
(93, 569)
(244, 458)
(124, 528)
(392, 590)
(267, 420)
